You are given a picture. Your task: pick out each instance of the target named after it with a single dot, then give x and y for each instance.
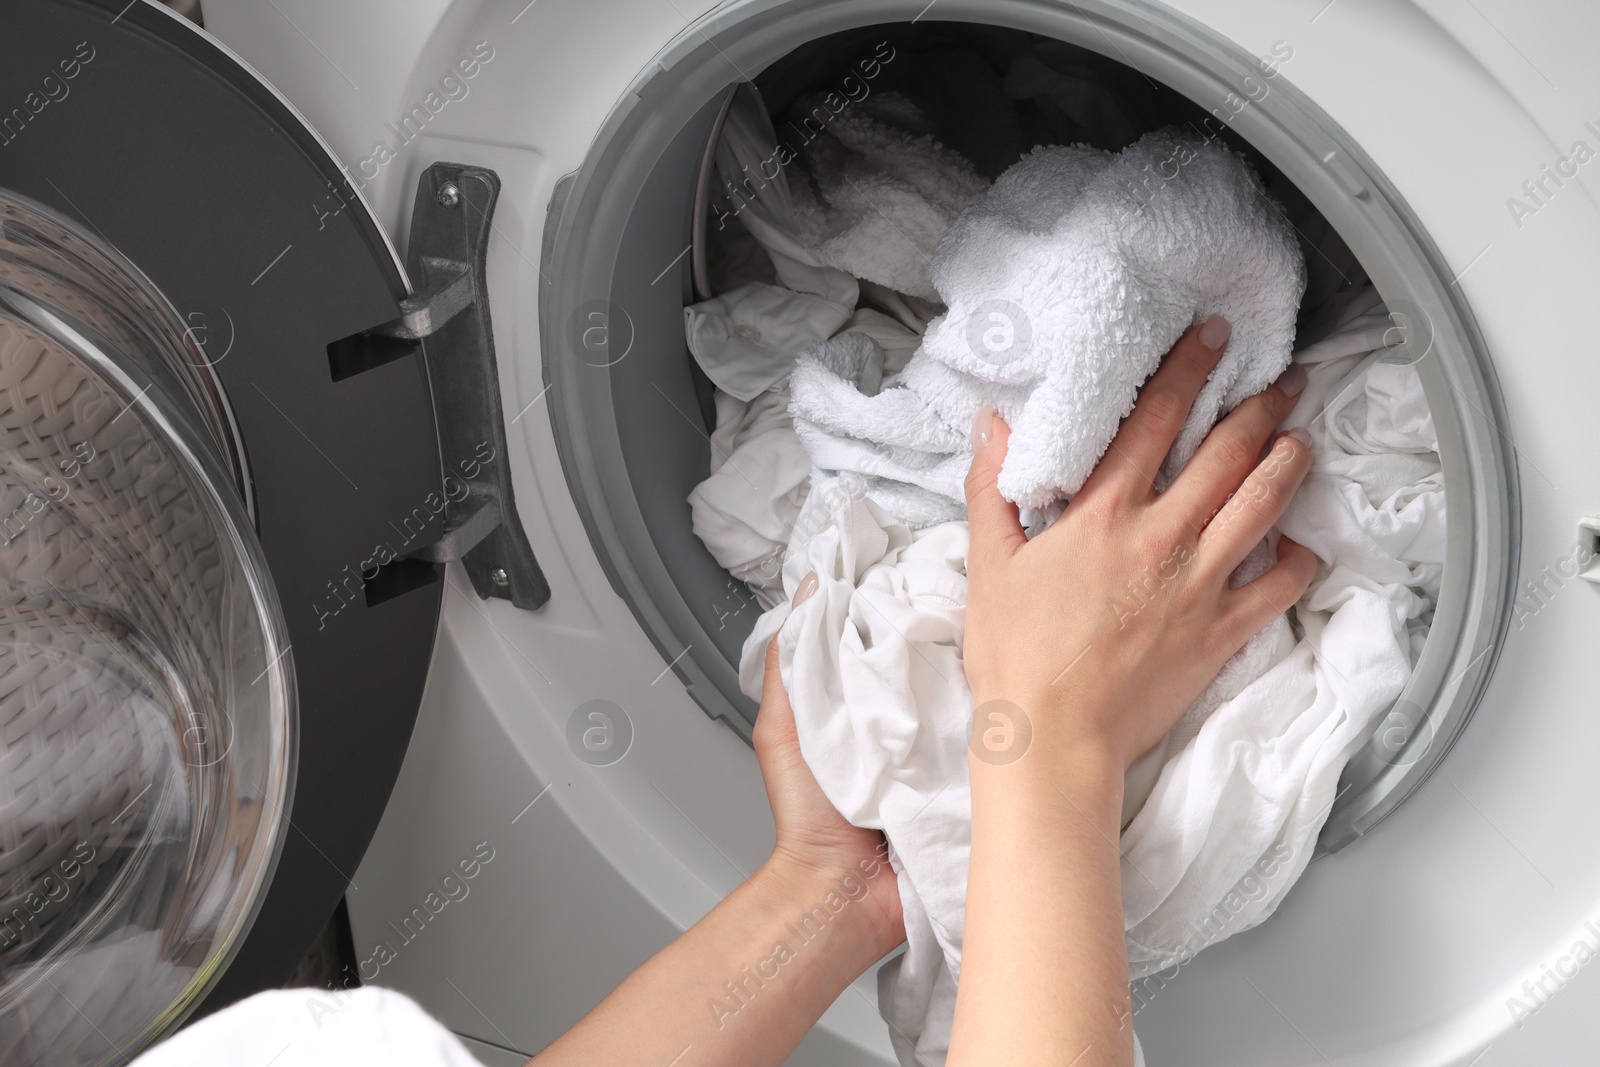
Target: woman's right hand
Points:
(1103, 629)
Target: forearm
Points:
(1044, 975)
(742, 986)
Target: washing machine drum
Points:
(201, 444)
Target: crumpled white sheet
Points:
(872, 664)
(760, 476)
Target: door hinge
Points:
(447, 320)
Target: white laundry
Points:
(746, 508)
(869, 197)
(366, 1027)
(1066, 285)
(745, 339)
(872, 664)
(745, 511)
(882, 190)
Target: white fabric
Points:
(745, 339)
(1066, 285)
(745, 511)
(367, 1027)
(870, 198)
(872, 664)
(882, 189)
(1267, 762)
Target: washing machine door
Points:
(223, 514)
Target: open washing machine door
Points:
(228, 485)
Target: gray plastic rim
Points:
(591, 207)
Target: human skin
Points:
(665, 1012)
(1089, 687)
(1044, 972)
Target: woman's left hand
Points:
(813, 838)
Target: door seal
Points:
(448, 319)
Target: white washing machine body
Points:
(1436, 939)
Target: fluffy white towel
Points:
(872, 663)
(1066, 285)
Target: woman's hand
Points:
(744, 985)
(1107, 626)
(813, 838)
(1083, 647)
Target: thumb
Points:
(992, 520)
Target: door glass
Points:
(146, 690)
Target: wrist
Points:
(1087, 772)
(838, 898)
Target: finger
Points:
(1232, 449)
(772, 691)
(992, 520)
(1142, 443)
(1247, 516)
(775, 719)
(1251, 606)
(773, 695)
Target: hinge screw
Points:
(499, 577)
(449, 195)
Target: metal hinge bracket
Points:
(448, 320)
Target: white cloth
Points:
(882, 189)
(367, 1027)
(1066, 285)
(1267, 762)
(872, 664)
(870, 198)
(746, 510)
(745, 339)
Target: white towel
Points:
(1066, 285)
(872, 663)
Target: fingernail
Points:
(1214, 332)
(982, 427)
(803, 591)
(1293, 380)
(1300, 435)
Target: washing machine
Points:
(492, 700)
